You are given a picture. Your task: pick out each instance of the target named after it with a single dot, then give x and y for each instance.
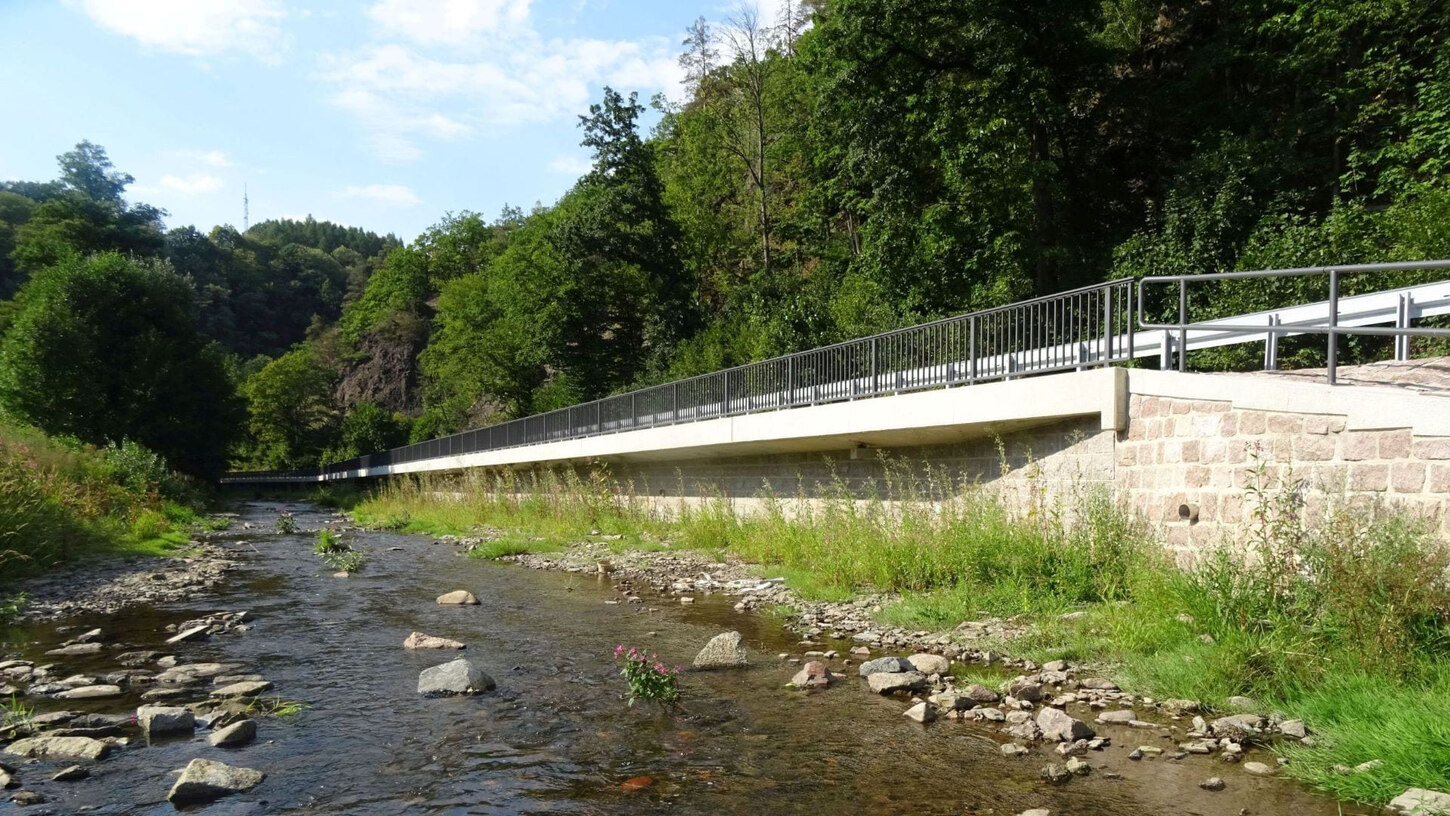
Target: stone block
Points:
(1436, 447)
(1360, 445)
(1310, 448)
(1197, 476)
(1407, 477)
(1286, 423)
(1440, 478)
(1369, 477)
(1395, 444)
(1253, 423)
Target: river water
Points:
(556, 737)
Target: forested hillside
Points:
(853, 166)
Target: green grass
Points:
(1342, 620)
(514, 544)
(14, 712)
(62, 501)
(338, 554)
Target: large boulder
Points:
(892, 682)
(1056, 724)
(418, 640)
(458, 597)
(930, 664)
(1421, 802)
(246, 688)
(814, 674)
(59, 747)
(235, 735)
(157, 721)
(722, 652)
(456, 677)
(885, 664)
(90, 693)
(205, 781)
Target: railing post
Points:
(1182, 324)
(875, 372)
(1107, 325)
(675, 402)
(1402, 321)
(1271, 345)
(790, 381)
(1333, 326)
(972, 349)
(633, 411)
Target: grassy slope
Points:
(62, 503)
(1347, 628)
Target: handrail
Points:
(1273, 331)
(1085, 327)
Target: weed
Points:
(647, 677)
(14, 713)
(286, 523)
(337, 553)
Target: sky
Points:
(383, 114)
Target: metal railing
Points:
(1088, 327)
(1082, 328)
(1274, 329)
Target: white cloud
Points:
(447, 22)
(497, 71)
(197, 28)
(570, 165)
(210, 158)
(392, 195)
(194, 184)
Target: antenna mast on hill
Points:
(246, 210)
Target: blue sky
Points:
(382, 114)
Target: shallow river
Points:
(556, 737)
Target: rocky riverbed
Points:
(430, 683)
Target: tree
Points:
(291, 414)
(105, 348)
(699, 54)
(88, 170)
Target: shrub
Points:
(647, 677)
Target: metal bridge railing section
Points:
(1331, 323)
(1082, 328)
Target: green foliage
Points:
(62, 500)
(367, 428)
(647, 678)
(286, 523)
(105, 348)
(292, 415)
(337, 553)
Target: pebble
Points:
(1213, 783)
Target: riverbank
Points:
(1340, 625)
(64, 503)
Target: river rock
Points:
(1121, 716)
(921, 712)
(981, 694)
(813, 675)
(190, 633)
(25, 797)
(930, 664)
(885, 664)
(1026, 690)
(249, 688)
(74, 773)
(458, 597)
(90, 693)
(1056, 773)
(418, 640)
(892, 682)
(1057, 725)
(1293, 728)
(235, 735)
(205, 781)
(76, 649)
(156, 721)
(7, 781)
(457, 677)
(1258, 768)
(722, 652)
(1421, 802)
(1238, 726)
(59, 747)
(1213, 783)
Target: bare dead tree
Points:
(699, 55)
(789, 25)
(750, 140)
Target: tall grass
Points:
(61, 501)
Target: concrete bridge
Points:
(1035, 396)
